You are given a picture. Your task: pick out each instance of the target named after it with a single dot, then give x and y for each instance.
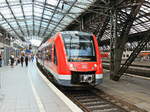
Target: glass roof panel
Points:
(133, 31)
(145, 9)
(52, 2)
(55, 15)
(17, 10)
(46, 17)
(47, 13)
(140, 24)
(40, 0)
(26, 1)
(38, 10)
(144, 19)
(6, 12)
(27, 10)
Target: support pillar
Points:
(120, 41)
(113, 42)
(119, 48)
(117, 44)
(81, 24)
(6, 55)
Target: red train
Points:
(72, 58)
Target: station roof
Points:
(39, 18)
(97, 19)
(141, 22)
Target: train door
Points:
(54, 59)
(55, 56)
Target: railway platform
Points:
(134, 90)
(22, 89)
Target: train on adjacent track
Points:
(126, 54)
(72, 58)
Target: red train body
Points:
(73, 58)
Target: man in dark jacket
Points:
(12, 60)
(26, 60)
(22, 60)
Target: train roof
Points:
(76, 32)
(66, 32)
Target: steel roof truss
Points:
(63, 16)
(24, 17)
(33, 17)
(42, 17)
(11, 27)
(14, 17)
(51, 17)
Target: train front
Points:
(83, 59)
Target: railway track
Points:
(93, 100)
(90, 102)
(134, 69)
(134, 65)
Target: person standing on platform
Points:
(0, 60)
(26, 60)
(18, 60)
(32, 57)
(22, 60)
(12, 60)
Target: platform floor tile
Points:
(131, 89)
(20, 87)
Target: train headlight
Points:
(71, 65)
(95, 65)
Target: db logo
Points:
(84, 66)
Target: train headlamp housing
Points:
(95, 65)
(72, 66)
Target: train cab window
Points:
(79, 47)
(55, 56)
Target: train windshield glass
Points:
(79, 48)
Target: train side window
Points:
(50, 53)
(55, 57)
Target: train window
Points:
(47, 53)
(79, 47)
(55, 56)
(44, 54)
(50, 52)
